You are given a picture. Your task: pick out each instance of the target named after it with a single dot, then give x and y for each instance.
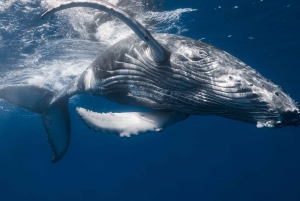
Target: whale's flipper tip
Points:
(43, 16)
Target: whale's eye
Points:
(147, 38)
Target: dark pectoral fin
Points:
(158, 53)
(56, 121)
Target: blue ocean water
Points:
(201, 158)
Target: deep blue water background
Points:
(202, 158)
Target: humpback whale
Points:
(171, 75)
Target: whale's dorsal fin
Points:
(129, 123)
(158, 52)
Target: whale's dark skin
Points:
(198, 79)
(171, 75)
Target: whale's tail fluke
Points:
(55, 115)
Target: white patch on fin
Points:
(129, 123)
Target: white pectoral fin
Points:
(129, 123)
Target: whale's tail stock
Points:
(55, 116)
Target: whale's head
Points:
(230, 88)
